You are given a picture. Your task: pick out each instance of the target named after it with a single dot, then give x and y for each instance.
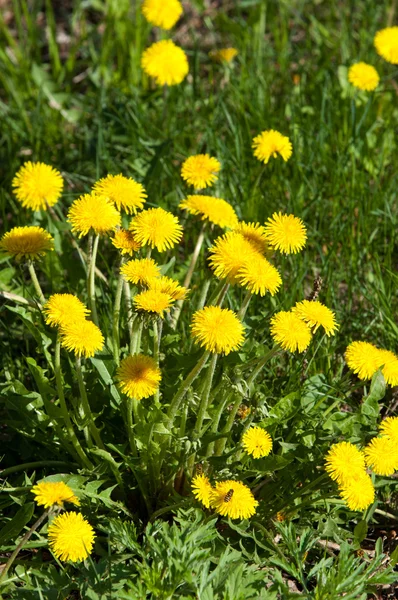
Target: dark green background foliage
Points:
(73, 95)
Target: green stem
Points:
(88, 415)
(127, 296)
(182, 390)
(222, 295)
(156, 348)
(35, 465)
(116, 317)
(93, 304)
(216, 421)
(220, 444)
(36, 283)
(245, 305)
(64, 409)
(129, 425)
(261, 363)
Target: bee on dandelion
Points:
(200, 170)
(165, 62)
(269, 144)
(233, 499)
(37, 185)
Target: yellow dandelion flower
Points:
(363, 76)
(37, 185)
(233, 499)
(162, 13)
(26, 242)
(259, 276)
(215, 210)
(123, 191)
(286, 233)
(169, 286)
(390, 368)
(152, 301)
(71, 537)
(358, 491)
(61, 309)
(381, 455)
(228, 255)
(223, 55)
(217, 329)
(156, 227)
(140, 270)
(344, 461)
(125, 241)
(363, 359)
(316, 315)
(386, 44)
(47, 494)
(255, 234)
(257, 442)
(82, 337)
(389, 428)
(202, 489)
(271, 143)
(92, 211)
(290, 332)
(200, 170)
(138, 376)
(165, 62)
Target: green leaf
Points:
(394, 557)
(104, 370)
(15, 526)
(360, 531)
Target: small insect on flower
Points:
(125, 192)
(153, 302)
(166, 285)
(223, 55)
(214, 210)
(71, 537)
(218, 330)
(200, 170)
(389, 428)
(286, 233)
(48, 494)
(358, 491)
(156, 228)
(82, 337)
(228, 255)
(165, 62)
(140, 270)
(241, 504)
(363, 76)
(257, 442)
(255, 234)
(26, 242)
(61, 309)
(162, 13)
(125, 241)
(269, 144)
(363, 359)
(139, 376)
(37, 185)
(344, 461)
(202, 489)
(290, 332)
(316, 315)
(386, 44)
(381, 455)
(259, 276)
(93, 211)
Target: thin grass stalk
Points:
(116, 317)
(35, 282)
(88, 415)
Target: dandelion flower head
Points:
(224, 55)
(344, 461)
(215, 210)
(162, 13)
(126, 193)
(140, 270)
(363, 359)
(386, 43)
(71, 537)
(286, 233)
(200, 170)
(202, 489)
(152, 301)
(290, 332)
(47, 494)
(390, 368)
(316, 315)
(358, 491)
(156, 228)
(271, 143)
(37, 185)
(165, 62)
(26, 242)
(363, 76)
(381, 455)
(259, 276)
(228, 255)
(240, 504)
(93, 211)
(61, 309)
(139, 376)
(125, 241)
(217, 329)
(257, 442)
(166, 285)
(255, 234)
(83, 338)
(389, 428)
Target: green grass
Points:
(86, 108)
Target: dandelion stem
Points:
(182, 390)
(88, 415)
(127, 296)
(157, 332)
(64, 409)
(216, 421)
(116, 317)
(261, 363)
(130, 429)
(91, 284)
(220, 444)
(222, 295)
(36, 283)
(245, 306)
(21, 544)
